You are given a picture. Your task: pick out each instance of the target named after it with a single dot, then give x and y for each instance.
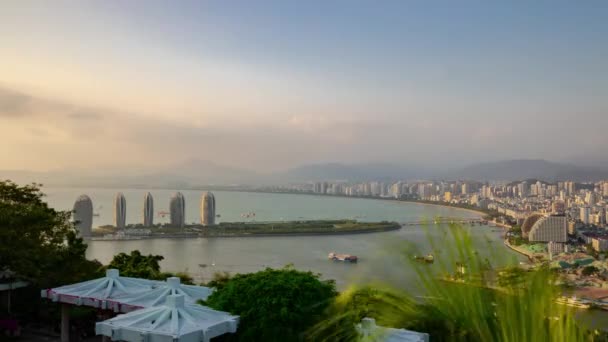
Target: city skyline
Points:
(421, 84)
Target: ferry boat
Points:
(429, 258)
(342, 257)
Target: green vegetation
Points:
(299, 227)
(483, 304)
(274, 304)
(516, 240)
(589, 270)
(144, 266)
(228, 229)
(38, 243)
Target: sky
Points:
(269, 85)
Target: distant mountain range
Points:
(198, 173)
(512, 170)
(348, 172)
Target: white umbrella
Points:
(175, 321)
(162, 290)
(370, 332)
(103, 293)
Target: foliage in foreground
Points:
(274, 304)
(38, 243)
(474, 303)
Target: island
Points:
(245, 229)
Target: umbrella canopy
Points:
(174, 321)
(370, 332)
(162, 290)
(103, 293)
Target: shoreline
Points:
(479, 213)
(519, 251)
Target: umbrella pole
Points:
(65, 323)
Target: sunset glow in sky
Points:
(269, 85)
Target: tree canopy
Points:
(589, 270)
(39, 244)
(274, 304)
(138, 265)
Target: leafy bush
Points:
(274, 304)
(138, 265)
(589, 270)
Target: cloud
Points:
(85, 115)
(51, 133)
(14, 104)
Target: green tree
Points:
(38, 243)
(220, 279)
(589, 270)
(138, 265)
(274, 304)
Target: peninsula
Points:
(245, 229)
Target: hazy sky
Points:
(273, 84)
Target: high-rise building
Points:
(549, 228)
(120, 211)
(207, 209)
(83, 215)
(318, 188)
(523, 189)
(447, 196)
(590, 198)
(148, 210)
(605, 189)
(396, 189)
(486, 191)
(585, 215)
(552, 190)
(570, 188)
(177, 210)
(464, 188)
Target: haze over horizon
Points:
(272, 85)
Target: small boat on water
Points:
(342, 257)
(429, 258)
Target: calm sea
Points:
(382, 255)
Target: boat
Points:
(342, 257)
(429, 258)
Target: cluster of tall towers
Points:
(83, 211)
